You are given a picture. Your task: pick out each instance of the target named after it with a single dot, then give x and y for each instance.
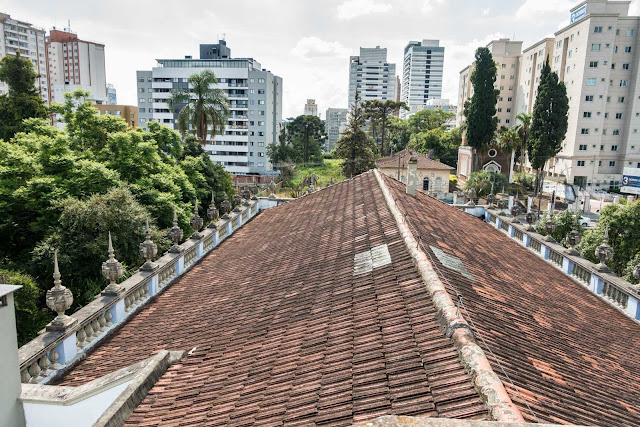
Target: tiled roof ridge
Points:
(487, 383)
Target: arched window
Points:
(438, 186)
(425, 184)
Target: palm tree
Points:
(201, 106)
(523, 130)
(508, 140)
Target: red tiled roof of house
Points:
(424, 162)
(283, 331)
(572, 356)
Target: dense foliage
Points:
(299, 142)
(22, 100)
(482, 182)
(480, 111)
(378, 114)
(623, 221)
(565, 222)
(67, 188)
(355, 147)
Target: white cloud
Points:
(354, 8)
(531, 10)
(430, 5)
(485, 12)
(314, 47)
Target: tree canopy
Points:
(22, 101)
(378, 113)
(355, 147)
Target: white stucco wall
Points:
(81, 414)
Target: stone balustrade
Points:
(608, 286)
(53, 351)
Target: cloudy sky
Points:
(306, 42)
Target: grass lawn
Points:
(329, 170)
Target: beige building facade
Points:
(432, 175)
(127, 112)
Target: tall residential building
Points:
(506, 54)
(22, 37)
(372, 76)
(112, 97)
(334, 124)
(422, 73)
(531, 63)
(255, 100)
(310, 108)
(75, 64)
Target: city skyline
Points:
(307, 44)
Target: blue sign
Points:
(631, 181)
(579, 13)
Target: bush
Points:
(524, 180)
(565, 220)
(482, 181)
(29, 318)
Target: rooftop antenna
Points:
(224, 36)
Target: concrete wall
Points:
(431, 174)
(10, 409)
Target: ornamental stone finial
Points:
(272, 187)
(604, 252)
(236, 202)
(59, 299)
(175, 234)
(530, 218)
(636, 272)
(310, 189)
(148, 250)
(550, 227)
(212, 213)
(246, 195)
(196, 223)
(226, 207)
(112, 271)
(254, 192)
(573, 239)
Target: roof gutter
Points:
(485, 380)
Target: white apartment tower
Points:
(310, 108)
(75, 64)
(506, 54)
(372, 76)
(422, 74)
(335, 123)
(255, 100)
(22, 37)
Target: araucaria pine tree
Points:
(480, 111)
(549, 123)
(356, 148)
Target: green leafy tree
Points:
(201, 106)
(443, 145)
(565, 222)
(427, 120)
(379, 113)
(307, 137)
(281, 154)
(623, 220)
(480, 111)
(508, 140)
(30, 318)
(399, 134)
(549, 121)
(355, 147)
(22, 101)
(482, 181)
(523, 127)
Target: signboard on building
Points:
(579, 13)
(630, 181)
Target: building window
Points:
(597, 29)
(621, 99)
(625, 66)
(141, 79)
(619, 116)
(261, 102)
(592, 82)
(615, 49)
(584, 131)
(612, 163)
(583, 147)
(586, 114)
(616, 132)
(630, 33)
(627, 49)
(588, 98)
(141, 100)
(260, 80)
(593, 64)
(614, 148)
(580, 162)
(623, 83)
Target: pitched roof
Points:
(424, 162)
(572, 356)
(283, 330)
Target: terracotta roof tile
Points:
(285, 332)
(572, 356)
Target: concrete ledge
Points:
(400, 421)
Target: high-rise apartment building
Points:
(29, 41)
(112, 96)
(372, 76)
(422, 73)
(75, 64)
(310, 108)
(255, 102)
(506, 54)
(595, 56)
(335, 122)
